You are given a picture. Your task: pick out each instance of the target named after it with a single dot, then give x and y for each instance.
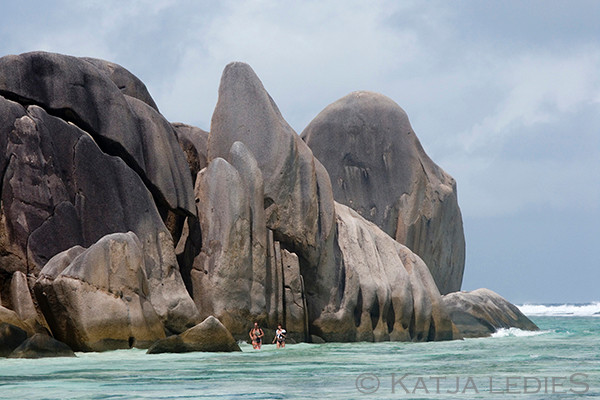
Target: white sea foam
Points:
(516, 332)
(562, 310)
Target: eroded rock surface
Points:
(482, 312)
(297, 206)
(378, 168)
(77, 91)
(380, 289)
(194, 143)
(101, 299)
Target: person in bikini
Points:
(280, 336)
(256, 335)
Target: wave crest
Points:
(515, 332)
(562, 310)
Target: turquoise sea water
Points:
(562, 361)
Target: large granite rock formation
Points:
(345, 282)
(482, 312)
(378, 167)
(222, 273)
(128, 83)
(297, 193)
(101, 300)
(61, 190)
(383, 291)
(59, 184)
(96, 188)
(79, 92)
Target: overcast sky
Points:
(505, 96)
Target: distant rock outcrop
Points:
(482, 312)
(378, 168)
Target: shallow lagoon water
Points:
(512, 364)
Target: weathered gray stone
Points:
(378, 167)
(11, 317)
(482, 312)
(210, 335)
(292, 184)
(58, 184)
(222, 274)
(379, 290)
(39, 346)
(243, 161)
(11, 337)
(165, 164)
(79, 92)
(295, 315)
(194, 143)
(22, 303)
(12, 257)
(101, 301)
(128, 83)
(21, 300)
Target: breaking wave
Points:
(562, 310)
(516, 332)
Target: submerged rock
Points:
(11, 337)
(210, 335)
(40, 346)
(482, 312)
(378, 168)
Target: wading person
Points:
(256, 335)
(280, 337)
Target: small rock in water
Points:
(11, 337)
(39, 346)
